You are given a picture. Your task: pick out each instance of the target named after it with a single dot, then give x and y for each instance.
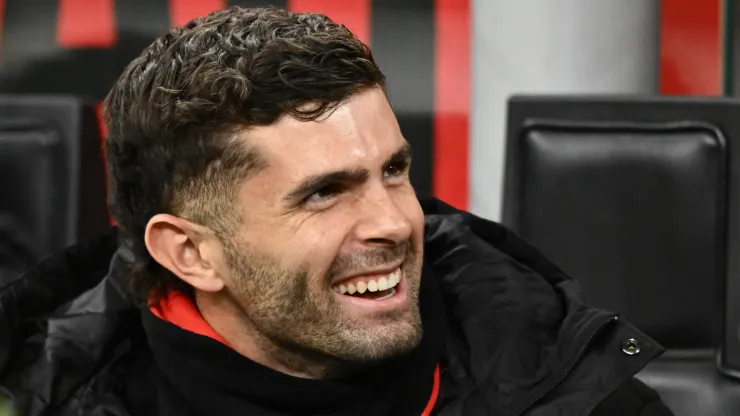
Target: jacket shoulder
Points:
(632, 398)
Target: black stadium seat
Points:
(52, 177)
(639, 199)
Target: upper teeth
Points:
(374, 284)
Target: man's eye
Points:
(323, 195)
(394, 169)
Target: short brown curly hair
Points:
(173, 114)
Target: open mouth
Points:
(380, 287)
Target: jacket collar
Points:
(523, 335)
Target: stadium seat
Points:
(52, 177)
(639, 199)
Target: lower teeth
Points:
(391, 292)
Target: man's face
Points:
(327, 260)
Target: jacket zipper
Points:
(575, 362)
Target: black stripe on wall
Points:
(29, 31)
(139, 22)
(403, 44)
(83, 72)
(259, 3)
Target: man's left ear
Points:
(186, 249)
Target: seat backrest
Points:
(634, 197)
(52, 177)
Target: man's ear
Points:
(183, 248)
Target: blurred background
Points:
(603, 131)
(451, 63)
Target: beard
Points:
(297, 320)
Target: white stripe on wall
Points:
(550, 46)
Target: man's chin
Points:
(383, 336)
(380, 348)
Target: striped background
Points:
(80, 46)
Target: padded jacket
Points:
(521, 340)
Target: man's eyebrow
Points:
(313, 183)
(405, 153)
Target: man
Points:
(283, 264)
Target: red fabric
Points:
(2, 19)
(86, 24)
(176, 308)
(451, 102)
(691, 47)
(435, 393)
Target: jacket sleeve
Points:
(633, 398)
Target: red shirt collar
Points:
(178, 309)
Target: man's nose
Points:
(381, 220)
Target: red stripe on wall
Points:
(452, 101)
(690, 47)
(183, 11)
(86, 24)
(355, 14)
(2, 21)
(103, 137)
(101, 123)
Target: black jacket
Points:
(520, 339)
(15, 253)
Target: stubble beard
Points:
(299, 324)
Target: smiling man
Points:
(314, 265)
(272, 258)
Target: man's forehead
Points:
(355, 133)
(291, 138)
